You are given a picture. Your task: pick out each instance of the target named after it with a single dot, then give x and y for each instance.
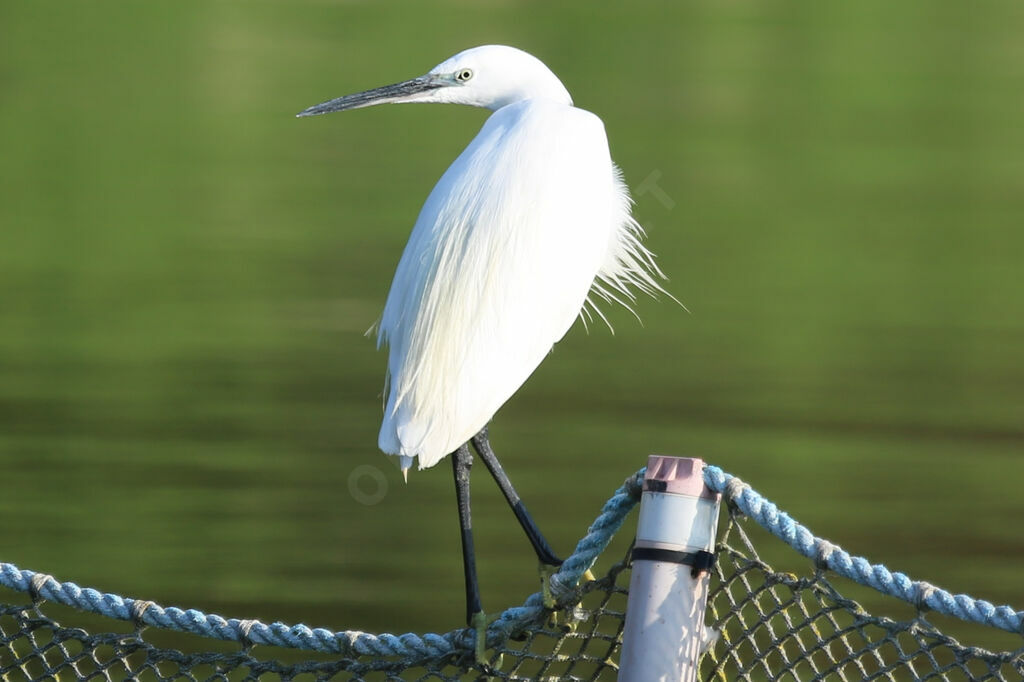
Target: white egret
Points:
(529, 225)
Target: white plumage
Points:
(528, 221)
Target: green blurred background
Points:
(187, 398)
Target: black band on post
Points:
(653, 485)
(700, 560)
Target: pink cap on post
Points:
(679, 475)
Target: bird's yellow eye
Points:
(463, 75)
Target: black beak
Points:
(398, 92)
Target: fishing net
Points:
(773, 625)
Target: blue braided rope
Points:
(413, 649)
(410, 649)
(921, 594)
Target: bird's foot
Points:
(548, 598)
(546, 571)
(479, 624)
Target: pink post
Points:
(664, 632)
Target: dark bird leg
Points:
(544, 552)
(462, 461)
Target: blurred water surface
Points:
(188, 403)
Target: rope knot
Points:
(36, 585)
(922, 591)
(734, 489)
(823, 550)
(244, 626)
(138, 610)
(634, 485)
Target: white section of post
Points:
(664, 632)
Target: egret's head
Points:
(491, 76)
